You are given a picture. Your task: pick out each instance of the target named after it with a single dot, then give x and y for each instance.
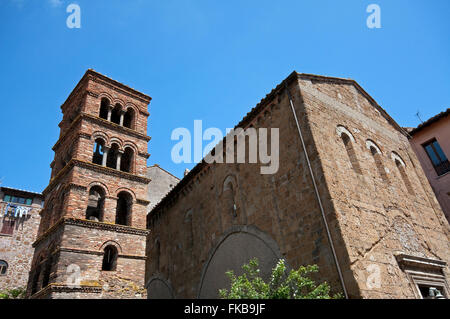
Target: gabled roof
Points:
(430, 121)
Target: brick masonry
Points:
(69, 249)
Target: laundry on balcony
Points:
(16, 211)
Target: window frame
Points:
(422, 271)
(444, 163)
(10, 228)
(18, 200)
(3, 267)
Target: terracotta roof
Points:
(430, 121)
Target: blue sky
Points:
(209, 60)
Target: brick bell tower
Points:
(91, 239)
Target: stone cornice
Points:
(409, 261)
(98, 120)
(98, 253)
(144, 154)
(93, 225)
(114, 126)
(106, 226)
(98, 168)
(56, 287)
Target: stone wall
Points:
(380, 212)
(16, 249)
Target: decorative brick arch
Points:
(111, 243)
(119, 102)
(116, 140)
(397, 157)
(131, 145)
(130, 105)
(99, 184)
(101, 135)
(107, 96)
(370, 143)
(127, 190)
(342, 129)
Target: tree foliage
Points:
(295, 284)
(15, 293)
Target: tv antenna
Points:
(418, 116)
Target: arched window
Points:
(376, 154)
(96, 204)
(104, 107)
(128, 118)
(229, 195)
(115, 115)
(124, 209)
(97, 157)
(111, 160)
(348, 143)
(110, 258)
(126, 164)
(401, 167)
(3, 267)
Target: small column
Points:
(105, 155)
(122, 115)
(119, 158)
(109, 112)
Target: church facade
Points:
(349, 196)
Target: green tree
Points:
(282, 285)
(15, 293)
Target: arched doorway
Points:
(237, 247)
